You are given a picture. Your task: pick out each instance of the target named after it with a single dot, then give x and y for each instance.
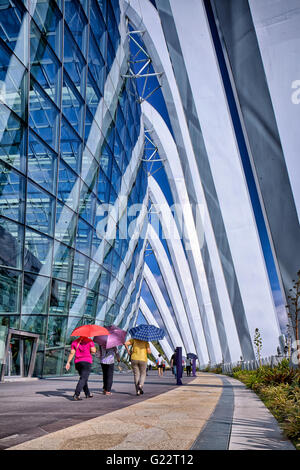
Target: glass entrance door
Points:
(18, 356)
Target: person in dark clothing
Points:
(173, 362)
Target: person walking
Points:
(173, 363)
(107, 361)
(82, 348)
(188, 366)
(138, 355)
(159, 363)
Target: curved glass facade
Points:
(71, 142)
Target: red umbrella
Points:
(90, 331)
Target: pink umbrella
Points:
(116, 337)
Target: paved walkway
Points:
(209, 412)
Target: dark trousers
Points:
(108, 373)
(83, 369)
(188, 370)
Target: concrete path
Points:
(209, 412)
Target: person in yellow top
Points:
(139, 357)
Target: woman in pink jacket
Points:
(82, 348)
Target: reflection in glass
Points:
(80, 268)
(43, 64)
(11, 243)
(56, 331)
(42, 163)
(70, 146)
(12, 192)
(13, 28)
(10, 289)
(43, 115)
(72, 105)
(35, 294)
(12, 82)
(53, 361)
(63, 298)
(12, 139)
(38, 253)
(76, 21)
(39, 209)
(65, 228)
(74, 62)
(48, 18)
(62, 262)
(87, 206)
(68, 186)
(83, 239)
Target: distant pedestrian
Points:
(138, 356)
(82, 348)
(164, 366)
(107, 361)
(159, 363)
(188, 366)
(173, 363)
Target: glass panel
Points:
(80, 268)
(10, 290)
(12, 139)
(76, 21)
(13, 28)
(48, 18)
(56, 331)
(44, 66)
(11, 243)
(93, 98)
(106, 160)
(11, 193)
(97, 24)
(83, 239)
(35, 324)
(38, 253)
(15, 353)
(35, 294)
(74, 62)
(39, 209)
(42, 164)
(70, 146)
(78, 299)
(65, 228)
(62, 262)
(53, 362)
(89, 171)
(43, 115)
(28, 344)
(72, 105)
(68, 186)
(91, 304)
(96, 65)
(104, 282)
(62, 296)
(87, 204)
(12, 82)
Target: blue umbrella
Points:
(192, 356)
(147, 332)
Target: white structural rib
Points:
(167, 150)
(151, 321)
(164, 310)
(174, 293)
(227, 171)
